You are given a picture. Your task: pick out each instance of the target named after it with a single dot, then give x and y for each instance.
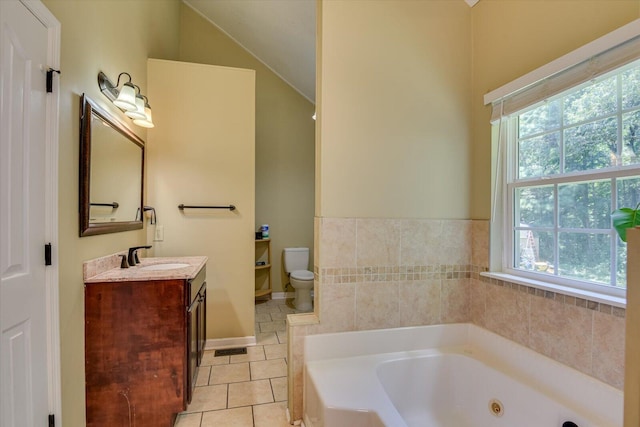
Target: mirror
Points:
(111, 172)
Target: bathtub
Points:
(446, 376)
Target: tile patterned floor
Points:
(248, 390)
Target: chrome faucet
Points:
(132, 258)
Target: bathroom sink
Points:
(163, 267)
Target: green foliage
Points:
(563, 227)
(625, 218)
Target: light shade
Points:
(138, 113)
(126, 98)
(147, 122)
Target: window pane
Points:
(631, 88)
(591, 146)
(585, 205)
(621, 272)
(631, 138)
(590, 102)
(544, 118)
(585, 256)
(539, 156)
(628, 192)
(534, 251)
(535, 207)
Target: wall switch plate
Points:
(159, 236)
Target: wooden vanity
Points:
(144, 340)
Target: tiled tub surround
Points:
(445, 375)
(387, 273)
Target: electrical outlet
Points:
(159, 237)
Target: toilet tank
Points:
(296, 259)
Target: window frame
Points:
(511, 183)
(596, 58)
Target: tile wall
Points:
(385, 273)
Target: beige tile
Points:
(277, 316)
(507, 313)
(480, 243)
(267, 308)
(477, 302)
(338, 307)
(419, 302)
(608, 349)
(232, 373)
(276, 351)
(253, 353)
(237, 417)
(562, 332)
(282, 337)
(286, 309)
(273, 326)
(265, 338)
(268, 369)
(209, 359)
(454, 247)
(455, 301)
(250, 393)
(203, 376)
(263, 317)
(377, 306)
(279, 387)
(188, 420)
(271, 415)
(208, 398)
(337, 242)
(419, 241)
(378, 242)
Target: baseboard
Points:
(220, 343)
(282, 295)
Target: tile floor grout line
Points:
(278, 336)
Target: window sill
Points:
(578, 293)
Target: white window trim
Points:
(500, 245)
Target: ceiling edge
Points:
(250, 52)
(471, 3)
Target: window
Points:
(570, 161)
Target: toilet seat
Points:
(302, 275)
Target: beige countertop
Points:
(140, 273)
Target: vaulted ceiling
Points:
(279, 33)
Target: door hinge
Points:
(52, 420)
(50, 72)
(47, 254)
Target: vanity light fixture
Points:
(138, 113)
(145, 122)
(135, 105)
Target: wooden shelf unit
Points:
(263, 286)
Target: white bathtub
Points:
(446, 376)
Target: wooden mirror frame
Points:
(88, 108)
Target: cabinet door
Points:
(192, 347)
(202, 322)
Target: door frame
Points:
(53, 26)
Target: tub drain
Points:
(496, 408)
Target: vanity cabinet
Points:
(144, 341)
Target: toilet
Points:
(296, 262)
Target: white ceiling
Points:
(279, 33)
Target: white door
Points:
(24, 376)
